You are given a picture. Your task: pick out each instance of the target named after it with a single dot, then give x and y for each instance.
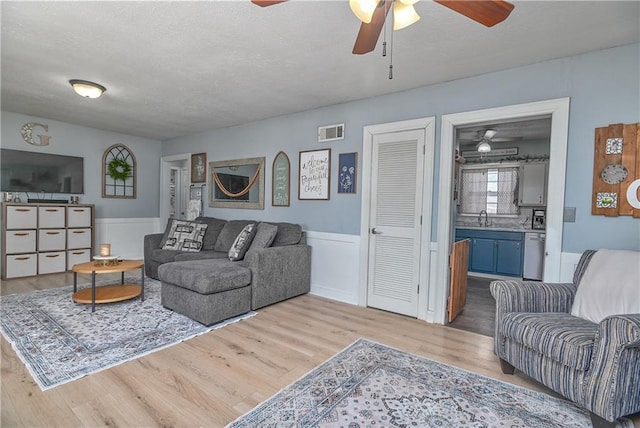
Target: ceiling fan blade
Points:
(489, 134)
(369, 33)
(486, 12)
(265, 3)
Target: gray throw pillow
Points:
(185, 236)
(264, 236)
(242, 242)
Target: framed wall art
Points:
(119, 170)
(348, 172)
(281, 185)
(314, 174)
(199, 168)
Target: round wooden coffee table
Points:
(107, 293)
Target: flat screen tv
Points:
(23, 171)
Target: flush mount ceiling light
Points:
(87, 89)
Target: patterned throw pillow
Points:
(242, 242)
(185, 236)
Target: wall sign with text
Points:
(314, 175)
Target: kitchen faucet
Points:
(486, 218)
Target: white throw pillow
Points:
(185, 236)
(242, 242)
(610, 286)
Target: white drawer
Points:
(78, 217)
(51, 239)
(78, 238)
(20, 241)
(52, 262)
(22, 217)
(75, 257)
(21, 265)
(51, 216)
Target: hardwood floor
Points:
(479, 313)
(214, 378)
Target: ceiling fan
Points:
(485, 138)
(373, 14)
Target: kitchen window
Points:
(490, 188)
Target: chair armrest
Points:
(278, 273)
(611, 383)
(532, 296)
(151, 242)
(528, 296)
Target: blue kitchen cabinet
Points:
(508, 257)
(482, 255)
(494, 252)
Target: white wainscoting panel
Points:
(126, 235)
(334, 265)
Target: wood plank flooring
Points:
(479, 314)
(214, 378)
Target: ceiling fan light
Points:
(408, 2)
(363, 9)
(484, 147)
(403, 15)
(87, 89)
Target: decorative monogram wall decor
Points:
(616, 171)
(27, 134)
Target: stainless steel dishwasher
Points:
(533, 255)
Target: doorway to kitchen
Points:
(558, 112)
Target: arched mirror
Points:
(237, 183)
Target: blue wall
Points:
(603, 87)
(90, 143)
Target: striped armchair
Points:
(597, 366)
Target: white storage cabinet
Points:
(45, 238)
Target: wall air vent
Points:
(330, 133)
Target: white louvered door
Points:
(396, 201)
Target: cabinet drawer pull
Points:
(20, 234)
(52, 210)
(22, 258)
(52, 256)
(78, 210)
(53, 233)
(78, 253)
(23, 210)
(79, 231)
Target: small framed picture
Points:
(199, 168)
(348, 170)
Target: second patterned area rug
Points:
(60, 341)
(372, 385)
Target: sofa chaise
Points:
(580, 339)
(208, 287)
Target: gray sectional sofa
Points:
(207, 287)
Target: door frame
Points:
(426, 124)
(165, 166)
(558, 110)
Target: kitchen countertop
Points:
(502, 229)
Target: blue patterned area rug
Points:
(372, 385)
(60, 341)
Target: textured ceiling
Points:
(177, 68)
